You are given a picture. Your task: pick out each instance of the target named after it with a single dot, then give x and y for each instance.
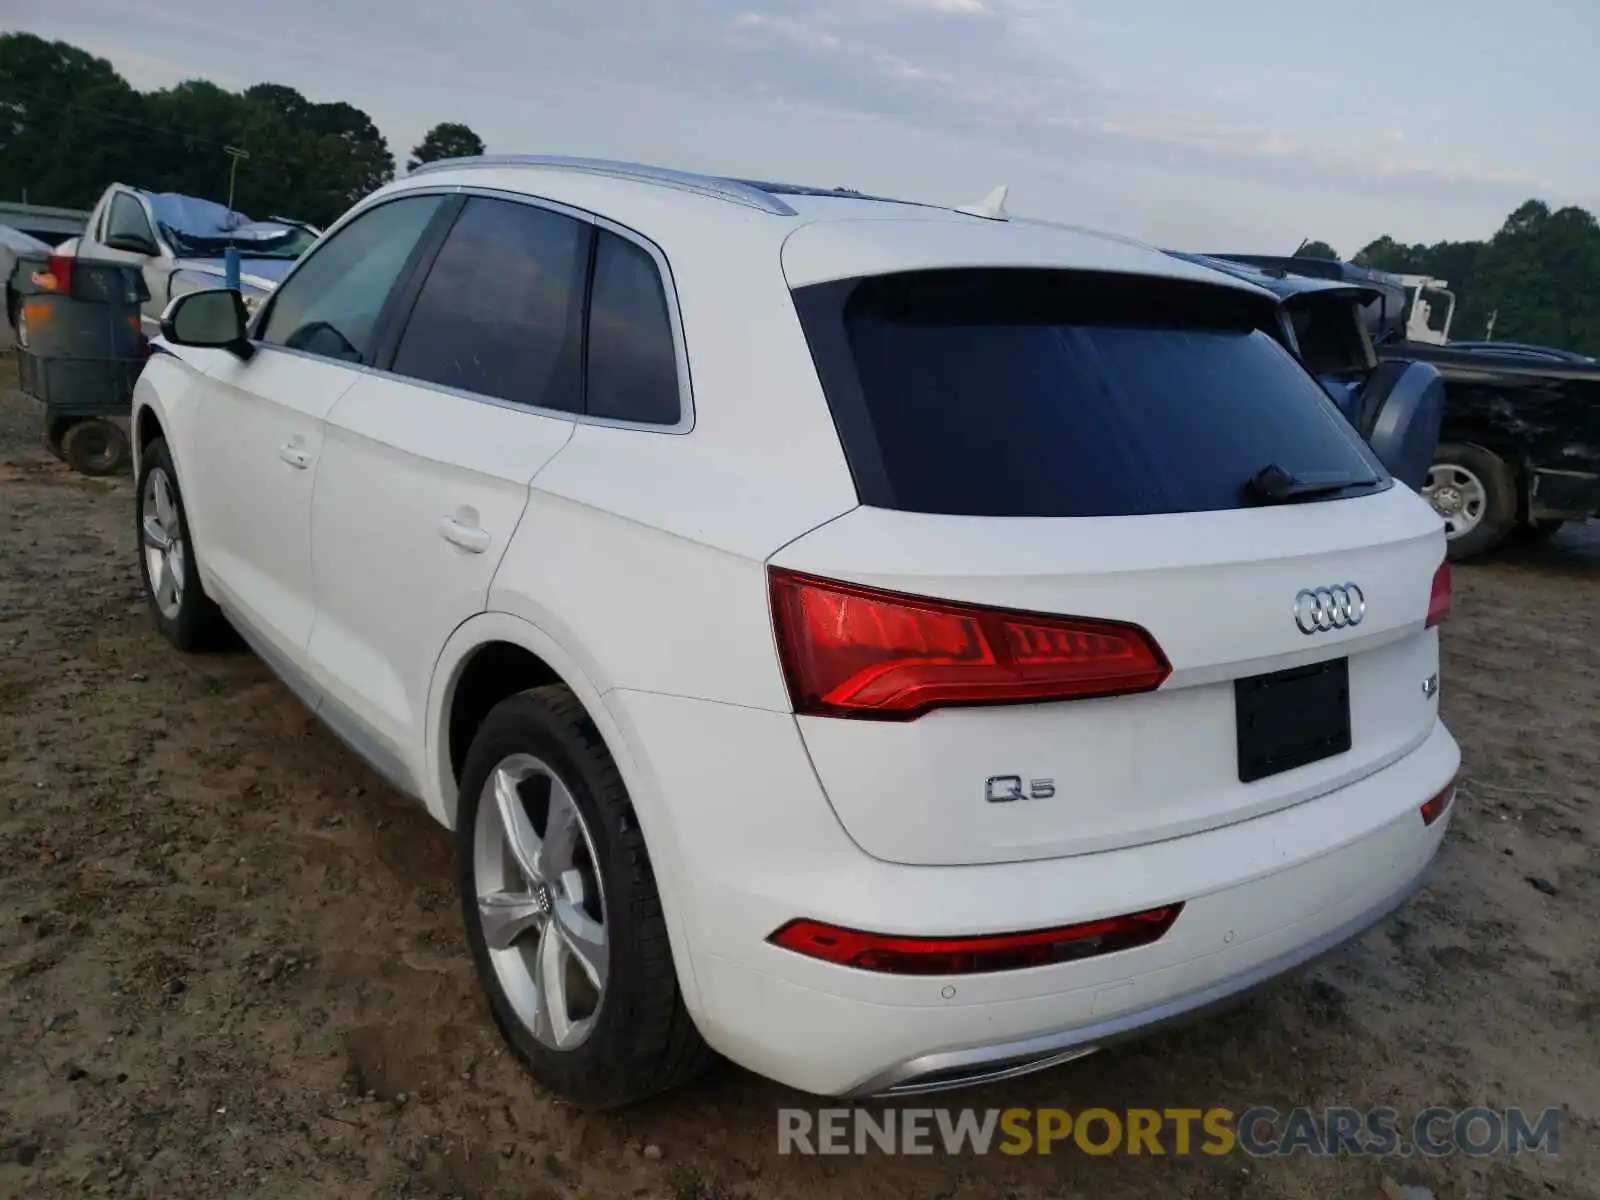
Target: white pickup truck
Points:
(179, 242)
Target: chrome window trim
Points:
(686, 410)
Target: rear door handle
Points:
(468, 536)
(296, 456)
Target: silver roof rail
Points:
(734, 191)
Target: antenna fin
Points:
(992, 207)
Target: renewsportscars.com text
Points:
(1259, 1132)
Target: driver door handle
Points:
(469, 537)
(297, 457)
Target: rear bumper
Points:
(1007, 1060)
(732, 800)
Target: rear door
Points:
(427, 463)
(1047, 445)
(259, 424)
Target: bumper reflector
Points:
(1436, 808)
(893, 955)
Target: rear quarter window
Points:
(1047, 393)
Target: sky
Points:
(1243, 125)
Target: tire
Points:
(94, 447)
(193, 622)
(639, 1039)
(1462, 474)
(54, 430)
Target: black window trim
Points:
(408, 287)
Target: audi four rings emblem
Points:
(1318, 610)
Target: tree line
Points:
(1536, 280)
(70, 125)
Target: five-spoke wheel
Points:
(540, 901)
(561, 909)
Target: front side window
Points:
(330, 305)
(501, 312)
(632, 361)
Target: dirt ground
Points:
(231, 963)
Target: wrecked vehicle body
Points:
(1396, 407)
(179, 243)
(1519, 447)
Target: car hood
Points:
(263, 274)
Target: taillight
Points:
(852, 651)
(57, 274)
(1439, 597)
(1435, 808)
(892, 955)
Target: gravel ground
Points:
(231, 965)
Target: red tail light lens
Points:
(57, 274)
(1439, 598)
(852, 651)
(891, 955)
(1436, 808)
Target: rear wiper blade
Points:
(1277, 486)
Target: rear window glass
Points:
(1063, 394)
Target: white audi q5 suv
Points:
(890, 646)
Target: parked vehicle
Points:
(1519, 454)
(1523, 350)
(1398, 409)
(1387, 314)
(14, 242)
(893, 647)
(1519, 448)
(79, 349)
(178, 241)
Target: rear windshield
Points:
(1065, 394)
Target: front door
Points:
(260, 423)
(426, 466)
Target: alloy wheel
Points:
(162, 533)
(540, 901)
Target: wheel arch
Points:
(500, 633)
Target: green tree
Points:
(70, 125)
(68, 122)
(449, 139)
(1317, 250)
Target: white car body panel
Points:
(635, 562)
(1216, 590)
(251, 419)
(403, 469)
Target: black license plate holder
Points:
(1291, 718)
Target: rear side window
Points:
(633, 367)
(501, 311)
(1065, 394)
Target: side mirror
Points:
(214, 319)
(1400, 413)
(133, 243)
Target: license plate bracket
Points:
(1291, 718)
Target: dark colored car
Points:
(1519, 448)
(1397, 408)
